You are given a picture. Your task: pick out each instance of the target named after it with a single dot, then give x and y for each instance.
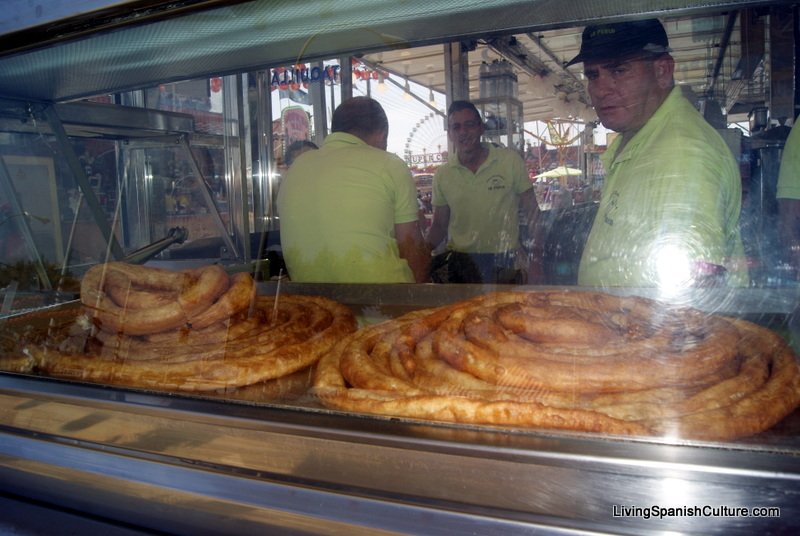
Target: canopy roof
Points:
(81, 48)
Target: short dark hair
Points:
(457, 106)
(359, 116)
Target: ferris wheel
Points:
(426, 143)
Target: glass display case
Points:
(160, 372)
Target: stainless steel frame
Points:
(190, 465)
(186, 466)
(182, 40)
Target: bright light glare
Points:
(673, 269)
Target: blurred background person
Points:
(297, 148)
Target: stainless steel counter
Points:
(189, 465)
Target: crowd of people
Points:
(350, 211)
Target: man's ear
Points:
(665, 69)
(378, 139)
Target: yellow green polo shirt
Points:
(670, 199)
(338, 206)
(484, 206)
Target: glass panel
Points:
(48, 232)
(568, 352)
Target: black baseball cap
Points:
(621, 39)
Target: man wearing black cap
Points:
(669, 213)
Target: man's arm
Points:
(439, 224)
(533, 249)
(413, 249)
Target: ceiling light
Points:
(407, 91)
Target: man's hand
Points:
(438, 230)
(413, 249)
(532, 266)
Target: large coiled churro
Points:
(579, 361)
(239, 339)
(137, 300)
(291, 336)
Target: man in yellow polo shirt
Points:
(348, 211)
(477, 198)
(669, 211)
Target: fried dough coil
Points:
(567, 360)
(281, 340)
(119, 295)
(236, 298)
(191, 330)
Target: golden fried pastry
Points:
(568, 360)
